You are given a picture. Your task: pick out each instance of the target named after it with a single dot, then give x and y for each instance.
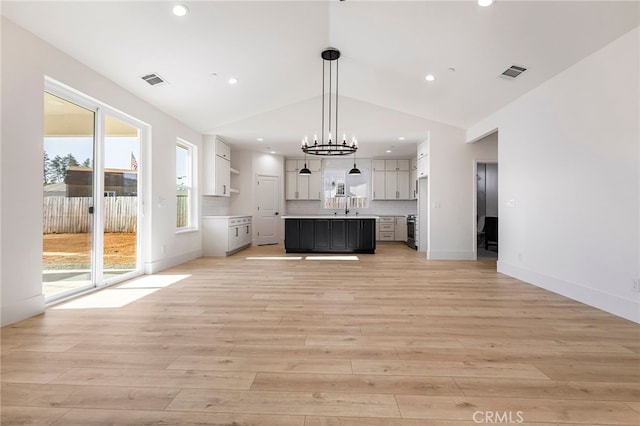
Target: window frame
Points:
(340, 169)
(189, 186)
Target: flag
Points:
(134, 163)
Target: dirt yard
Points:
(65, 250)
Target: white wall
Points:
(25, 62)
(452, 187)
(250, 164)
(570, 167)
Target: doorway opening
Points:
(487, 210)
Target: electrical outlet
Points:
(636, 285)
(164, 249)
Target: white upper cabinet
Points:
(391, 180)
(413, 179)
(303, 187)
(217, 167)
(423, 149)
(423, 159)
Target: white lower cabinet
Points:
(225, 235)
(391, 228)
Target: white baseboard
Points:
(15, 311)
(451, 255)
(616, 305)
(166, 263)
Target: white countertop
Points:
(225, 217)
(330, 216)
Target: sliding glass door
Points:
(67, 257)
(120, 202)
(91, 210)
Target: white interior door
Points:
(268, 191)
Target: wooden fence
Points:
(71, 214)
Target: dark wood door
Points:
(306, 234)
(338, 235)
(292, 234)
(368, 234)
(353, 234)
(322, 234)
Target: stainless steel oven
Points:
(412, 220)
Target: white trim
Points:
(97, 233)
(21, 309)
(474, 207)
(168, 262)
(451, 255)
(191, 187)
(625, 308)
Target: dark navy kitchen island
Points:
(330, 234)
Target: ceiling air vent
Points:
(513, 71)
(153, 79)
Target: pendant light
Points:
(355, 171)
(305, 170)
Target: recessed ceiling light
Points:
(180, 10)
(485, 3)
(401, 138)
(233, 80)
(259, 139)
(388, 151)
(430, 77)
(272, 152)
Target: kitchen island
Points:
(330, 233)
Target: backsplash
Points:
(219, 206)
(215, 206)
(379, 208)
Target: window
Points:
(342, 190)
(186, 200)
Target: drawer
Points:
(390, 219)
(387, 227)
(387, 236)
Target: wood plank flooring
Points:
(389, 340)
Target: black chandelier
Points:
(329, 146)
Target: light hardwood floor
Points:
(388, 340)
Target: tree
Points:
(47, 174)
(70, 161)
(58, 168)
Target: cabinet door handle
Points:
(224, 189)
(247, 229)
(236, 232)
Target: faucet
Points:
(346, 206)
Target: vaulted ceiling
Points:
(273, 49)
